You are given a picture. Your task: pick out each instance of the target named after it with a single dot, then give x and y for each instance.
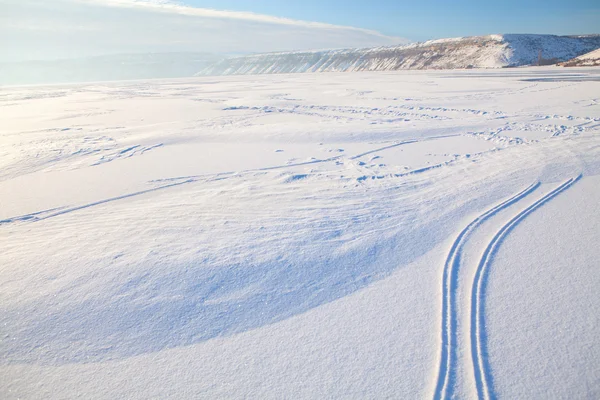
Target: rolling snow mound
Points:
(492, 51)
(590, 59)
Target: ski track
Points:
(457, 322)
(482, 370)
(446, 372)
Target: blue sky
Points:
(428, 19)
(51, 29)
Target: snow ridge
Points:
(590, 59)
(491, 51)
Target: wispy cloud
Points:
(177, 8)
(112, 26)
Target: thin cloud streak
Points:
(82, 28)
(172, 7)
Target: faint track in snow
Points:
(316, 161)
(55, 212)
(182, 180)
(408, 141)
(28, 217)
(483, 378)
(446, 372)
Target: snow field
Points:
(287, 236)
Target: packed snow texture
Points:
(492, 51)
(369, 235)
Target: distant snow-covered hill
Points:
(492, 51)
(590, 59)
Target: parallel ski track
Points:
(449, 310)
(483, 377)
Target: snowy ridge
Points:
(492, 51)
(590, 59)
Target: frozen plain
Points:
(353, 235)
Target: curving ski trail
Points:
(446, 370)
(483, 378)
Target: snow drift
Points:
(492, 51)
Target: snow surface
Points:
(491, 51)
(373, 235)
(592, 55)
